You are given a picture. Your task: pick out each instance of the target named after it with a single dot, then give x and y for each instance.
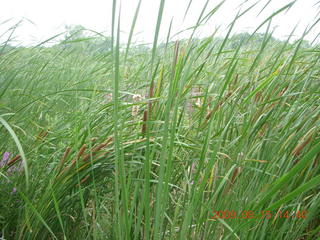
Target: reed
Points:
(225, 122)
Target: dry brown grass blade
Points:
(83, 180)
(208, 116)
(42, 134)
(81, 151)
(258, 97)
(234, 177)
(63, 159)
(283, 91)
(102, 155)
(219, 104)
(97, 148)
(298, 149)
(14, 160)
(236, 173)
(73, 162)
(102, 145)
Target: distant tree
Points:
(304, 43)
(238, 39)
(4, 48)
(78, 37)
(74, 32)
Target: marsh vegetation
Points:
(105, 140)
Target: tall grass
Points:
(222, 124)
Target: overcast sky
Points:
(49, 17)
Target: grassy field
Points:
(213, 138)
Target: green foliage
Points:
(129, 142)
(77, 38)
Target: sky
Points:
(42, 19)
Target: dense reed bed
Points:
(148, 143)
